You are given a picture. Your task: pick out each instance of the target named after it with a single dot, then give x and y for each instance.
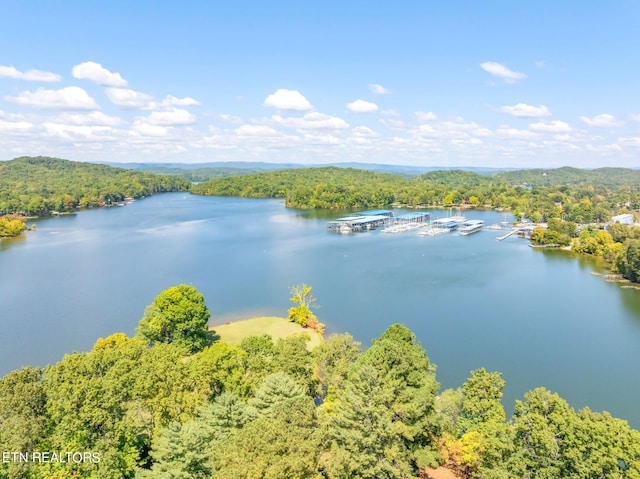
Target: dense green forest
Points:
(170, 405)
(36, 186)
(578, 197)
(198, 175)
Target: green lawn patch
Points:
(235, 332)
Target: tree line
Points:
(581, 196)
(36, 186)
(173, 403)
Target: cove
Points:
(539, 317)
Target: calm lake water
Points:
(540, 317)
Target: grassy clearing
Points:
(274, 326)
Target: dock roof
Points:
(376, 213)
(412, 216)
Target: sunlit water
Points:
(539, 317)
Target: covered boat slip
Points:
(367, 220)
(471, 226)
(357, 223)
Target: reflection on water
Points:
(540, 317)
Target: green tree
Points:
(283, 445)
(628, 262)
(385, 407)
(332, 359)
(276, 388)
(178, 315)
(481, 395)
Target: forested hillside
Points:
(609, 177)
(264, 409)
(198, 175)
(578, 195)
(35, 186)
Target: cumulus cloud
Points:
(230, 118)
(175, 116)
(364, 131)
(426, 116)
(508, 132)
(555, 126)
(312, 120)
(98, 74)
(171, 100)
(522, 110)
(95, 118)
(378, 89)
(605, 120)
(288, 100)
(69, 98)
(632, 141)
(141, 128)
(501, 71)
(29, 75)
(78, 133)
(15, 126)
(130, 99)
(393, 124)
(256, 131)
(361, 106)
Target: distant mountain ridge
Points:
(404, 170)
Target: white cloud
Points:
(482, 132)
(456, 128)
(378, 89)
(130, 99)
(555, 126)
(98, 74)
(15, 126)
(605, 120)
(230, 118)
(256, 131)
(78, 133)
(392, 124)
(634, 141)
(361, 106)
(141, 128)
(175, 116)
(288, 100)
(364, 131)
(171, 100)
(522, 110)
(503, 72)
(312, 120)
(95, 118)
(328, 140)
(635, 117)
(424, 117)
(69, 98)
(508, 132)
(29, 75)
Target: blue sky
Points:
(456, 83)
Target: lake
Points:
(540, 317)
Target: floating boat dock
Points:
(408, 222)
(471, 226)
(349, 224)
